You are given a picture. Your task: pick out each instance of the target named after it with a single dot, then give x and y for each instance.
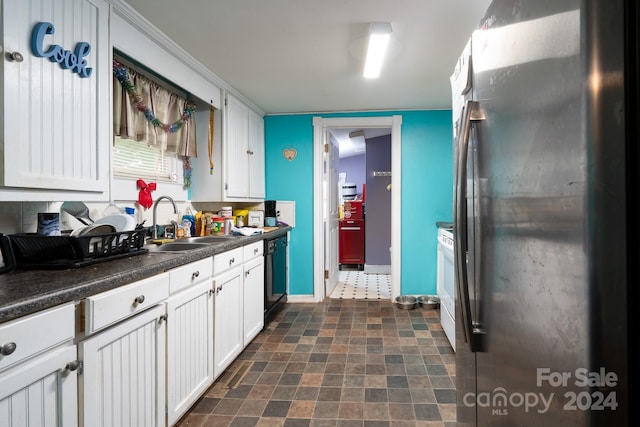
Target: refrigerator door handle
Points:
(472, 333)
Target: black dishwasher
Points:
(275, 276)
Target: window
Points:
(132, 159)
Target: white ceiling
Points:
(293, 56)
(354, 146)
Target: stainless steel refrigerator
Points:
(545, 164)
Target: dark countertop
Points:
(24, 292)
(442, 224)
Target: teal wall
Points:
(427, 182)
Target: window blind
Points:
(133, 159)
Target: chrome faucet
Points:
(154, 229)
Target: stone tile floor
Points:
(339, 363)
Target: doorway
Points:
(326, 213)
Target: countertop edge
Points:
(24, 292)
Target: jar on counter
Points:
(226, 212)
(217, 225)
(241, 217)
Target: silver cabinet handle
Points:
(195, 275)
(163, 318)
(255, 251)
(15, 57)
(8, 348)
(73, 366)
(138, 300)
(232, 260)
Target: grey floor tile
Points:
(339, 363)
(276, 408)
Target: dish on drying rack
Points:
(93, 229)
(121, 222)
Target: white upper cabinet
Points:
(238, 157)
(244, 151)
(256, 156)
(55, 86)
(236, 148)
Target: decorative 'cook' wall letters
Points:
(68, 60)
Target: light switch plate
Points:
(286, 212)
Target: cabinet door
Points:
(123, 380)
(228, 330)
(56, 123)
(351, 240)
(256, 156)
(236, 148)
(41, 392)
(253, 304)
(189, 348)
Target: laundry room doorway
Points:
(382, 265)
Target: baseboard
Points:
(300, 298)
(377, 269)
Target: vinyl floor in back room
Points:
(342, 363)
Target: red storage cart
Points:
(351, 235)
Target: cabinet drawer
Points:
(226, 260)
(253, 250)
(190, 274)
(33, 334)
(112, 306)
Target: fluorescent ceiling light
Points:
(379, 34)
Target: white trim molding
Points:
(320, 126)
(297, 299)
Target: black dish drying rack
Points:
(33, 251)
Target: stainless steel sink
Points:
(176, 247)
(208, 239)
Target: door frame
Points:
(320, 126)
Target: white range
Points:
(446, 284)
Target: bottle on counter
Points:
(189, 216)
(186, 227)
(112, 209)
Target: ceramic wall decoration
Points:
(290, 153)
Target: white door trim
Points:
(320, 125)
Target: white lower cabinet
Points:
(39, 370)
(123, 379)
(41, 392)
(189, 337)
(146, 351)
(253, 286)
(238, 280)
(228, 332)
(124, 370)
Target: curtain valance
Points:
(147, 112)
